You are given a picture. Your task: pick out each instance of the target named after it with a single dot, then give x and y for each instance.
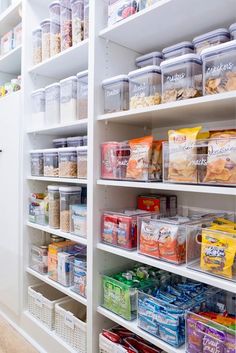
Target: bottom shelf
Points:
(133, 327)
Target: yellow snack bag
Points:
(222, 221)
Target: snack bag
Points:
(140, 156)
(155, 171)
(183, 155)
(149, 239)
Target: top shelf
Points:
(10, 17)
(154, 32)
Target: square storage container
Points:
(69, 196)
(55, 38)
(68, 99)
(51, 162)
(120, 9)
(70, 324)
(59, 143)
(76, 141)
(145, 87)
(82, 95)
(219, 68)
(68, 162)
(232, 30)
(37, 46)
(78, 220)
(86, 19)
(154, 58)
(181, 78)
(54, 206)
(42, 299)
(45, 26)
(52, 108)
(77, 7)
(6, 42)
(80, 277)
(39, 258)
(82, 162)
(177, 50)
(17, 35)
(38, 108)
(116, 94)
(66, 25)
(36, 162)
(210, 39)
(54, 11)
(38, 209)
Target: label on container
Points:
(69, 320)
(38, 299)
(176, 77)
(112, 92)
(217, 69)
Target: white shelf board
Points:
(72, 128)
(218, 190)
(197, 110)
(58, 286)
(10, 17)
(64, 64)
(10, 63)
(133, 327)
(181, 270)
(57, 232)
(59, 180)
(150, 30)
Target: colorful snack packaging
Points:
(109, 160)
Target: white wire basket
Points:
(70, 324)
(41, 303)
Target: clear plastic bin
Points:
(59, 143)
(181, 78)
(109, 159)
(53, 250)
(75, 141)
(37, 46)
(143, 4)
(54, 11)
(65, 268)
(39, 258)
(17, 35)
(82, 95)
(154, 58)
(68, 196)
(66, 25)
(86, 19)
(232, 30)
(6, 42)
(68, 99)
(145, 87)
(45, 26)
(78, 220)
(219, 68)
(54, 206)
(77, 7)
(178, 49)
(82, 161)
(68, 162)
(52, 110)
(38, 108)
(120, 9)
(80, 277)
(38, 209)
(55, 38)
(51, 162)
(210, 39)
(116, 94)
(36, 162)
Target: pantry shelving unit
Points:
(59, 180)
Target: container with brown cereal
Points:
(50, 157)
(45, 25)
(77, 7)
(116, 94)
(69, 196)
(145, 87)
(68, 162)
(37, 46)
(66, 25)
(54, 206)
(206, 40)
(82, 95)
(82, 160)
(55, 38)
(36, 162)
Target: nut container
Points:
(68, 162)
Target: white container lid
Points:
(82, 148)
(69, 188)
(46, 21)
(177, 46)
(38, 91)
(146, 69)
(182, 58)
(218, 48)
(119, 78)
(53, 188)
(154, 54)
(67, 149)
(71, 78)
(232, 28)
(212, 34)
(56, 84)
(82, 74)
(51, 150)
(36, 151)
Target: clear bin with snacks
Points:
(52, 107)
(54, 11)
(69, 196)
(77, 7)
(37, 45)
(39, 258)
(45, 26)
(86, 19)
(54, 206)
(68, 99)
(232, 30)
(38, 108)
(178, 49)
(116, 94)
(82, 95)
(118, 10)
(50, 157)
(55, 38)
(68, 162)
(82, 162)
(145, 87)
(66, 25)
(76, 141)
(78, 220)
(210, 39)
(153, 58)
(80, 276)
(36, 162)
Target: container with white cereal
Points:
(36, 162)
(37, 45)
(68, 99)
(51, 162)
(52, 98)
(77, 7)
(38, 108)
(45, 25)
(210, 39)
(178, 49)
(68, 196)
(116, 94)
(68, 162)
(154, 58)
(82, 160)
(82, 95)
(54, 206)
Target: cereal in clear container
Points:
(69, 196)
(37, 46)
(68, 162)
(55, 38)
(45, 25)
(51, 162)
(77, 7)
(66, 25)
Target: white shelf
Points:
(133, 327)
(57, 232)
(73, 128)
(58, 286)
(64, 64)
(181, 270)
(169, 22)
(10, 63)
(59, 180)
(218, 190)
(203, 109)
(10, 18)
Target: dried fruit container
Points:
(37, 45)
(77, 7)
(86, 19)
(116, 94)
(154, 58)
(145, 87)
(55, 38)
(59, 143)
(82, 161)
(210, 39)
(68, 162)
(178, 49)
(54, 206)
(45, 26)
(232, 30)
(38, 108)
(54, 11)
(82, 95)
(219, 68)
(68, 99)
(66, 25)
(181, 78)
(69, 196)
(52, 108)
(36, 162)
(50, 157)
(74, 141)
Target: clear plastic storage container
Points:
(145, 87)
(85, 140)
(69, 196)
(68, 162)
(68, 99)
(181, 78)
(37, 46)
(39, 258)
(209, 39)
(52, 110)
(82, 161)
(143, 4)
(154, 58)
(80, 277)
(51, 162)
(178, 49)
(78, 220)
(219, 68)
(76, 141)
(54, 11)
(82, 95)
(77, 7)
(55, 38)
(66, 25)
(86, 19)
(45, 25)
(120, 9)
(36, 162)
(54, 206)
(232, 30)
(116, 94)
(38, 108)
(59, 143)
(6, 42)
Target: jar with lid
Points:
(154, 58)
(232, 30)
(82, 94)
(68, 97)
(37, 45)
(66, 25)
(77, 7)
(116, 94)
(52, 104)
(67, 162)
(68, 196)
(178, 49)
(45, 26)
(36, 162)
(206, 40)
(59, 143)
(86, 19)
(54, 11)
(75, 141)
(55, 38)
(82, 161)
(38, 108)
(51, 162)
(54, 206)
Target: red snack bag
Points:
(109, 228)
(109, 160)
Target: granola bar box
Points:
(181, 78)
(219, 68)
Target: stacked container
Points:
(82, 160)
(116, 94)
(86, 19)
(68, 162)
(51, 162)
(38, 108)
(54, 206)
(210, 39)
(52, 107)
(68, 99)
(232, 30)
(66, 24)
(154, 58)
(77, 7)
(36, 160)
(178, 49)
(45, 26)
(82, 95)
(76, 141)
(37, 46)
(59, 143)
(55, 33)
(68, 196)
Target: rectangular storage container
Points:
(42, 299)
(82, 162)
(54, 11)
(68, 99)
(82, 95)
(54, 249)
(37, 45)
(68, 162)
(36, 162)
(181, 78)
(6, 42)
(143, 4)
(178, 49)
(80, 277)
(77, 7)
(154, 58)
(39, 258)
(66, 25)
(70, 324)
(86, 19)
(52, 105)
(145, 87)
(50, 157)
(68, 196)
(120, 9)
(45, 26)
(38, 209)
(206, 40)
(78, 220)
(17, 35)
(232, 30)
(116, 94)
(54, 206)
(55, 38)
(76, 141)
(60, 143)
(38, 108)
(219, 68)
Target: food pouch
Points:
(230, 343)
(149, 236)
(194, 335)
(172, 242)
(183, 154)
(213, 340)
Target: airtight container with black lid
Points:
(59, 143)
(116, 94)
(178, 49)
(232, 30)
(209, 39)
(154, 58)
